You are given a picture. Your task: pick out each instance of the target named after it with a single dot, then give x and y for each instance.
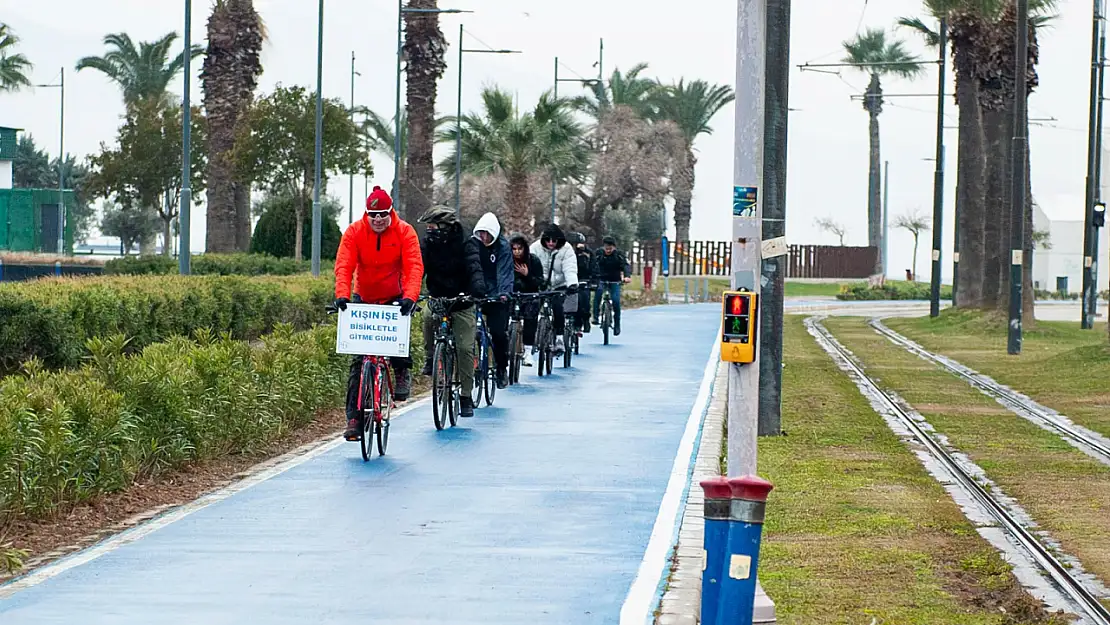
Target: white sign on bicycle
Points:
(373, 330)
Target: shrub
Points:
(68, 436)
(275, 232)
(52, 319)
(891, 291)
(213, 264)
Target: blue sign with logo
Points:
(744, 201)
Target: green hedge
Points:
(52, 319)
(68, 436)
(891, 291)
(213, 264)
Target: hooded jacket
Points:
(560, 266)
(608, 267)
(497, 259)
(389, 265)
(533, 282)
(453, 265)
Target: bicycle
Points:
(375, 396)
(545, 333)
(446, 384)
(605, 313)
(485, 366)
(571, 336)
(516, 335)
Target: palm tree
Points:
(142, 72)
(379, 134)
(424, 50)
(14, 67)
(627, 89)
(982, 50)
(873, 53)
(229, 77)
(915, 223)
(691, 107)
(501, 141)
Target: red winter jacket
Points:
(389, 264)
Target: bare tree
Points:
(828, 225)
(915, 223)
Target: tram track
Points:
(1040, 555)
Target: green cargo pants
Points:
(463, 324)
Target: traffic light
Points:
(738, 326)
(1099, 219)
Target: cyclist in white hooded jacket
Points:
(560, 270)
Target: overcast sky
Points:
(828, 147)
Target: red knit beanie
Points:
(379, 200)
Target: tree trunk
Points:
(998, 131)
(424, 51)
(229, 77)
(519, 218)
(914, 263)
(970, 191)
(298, 237)
(167, 232)
(683, 195)
(873, 103)
(242, 194)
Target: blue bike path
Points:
(538, 510)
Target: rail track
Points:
(1056, 571)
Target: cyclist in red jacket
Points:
(380, 253)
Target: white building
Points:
(1060, 268)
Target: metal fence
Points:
(714, 258)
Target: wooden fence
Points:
(714, 258)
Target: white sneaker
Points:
(559, 347)
(528, 358)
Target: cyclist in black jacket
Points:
(610, 265)
(585, 274)
(452, 266)
(527, 278)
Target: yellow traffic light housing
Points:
(738, 326)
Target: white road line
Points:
(639, 604)
(176, 514)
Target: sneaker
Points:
(559, 347)
(466, 407)
(502, 379)
(353, 431)
(528, 362)
(402, 386)
(427, 370)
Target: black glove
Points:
(572, 289)
(407, 305)
(503, 299)
(341, 303)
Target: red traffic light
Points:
(738, 305)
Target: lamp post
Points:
(599, 81)
(401, 11)
(61, 84)
(317, 218)
(458, 116)
(184, 256)
(351, 198)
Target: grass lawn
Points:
(1060, 366)
(1025, 461)
(857, 531)
(718, 285)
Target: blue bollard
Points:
(717, 501)
(738, 579)
(57, 268)
(1, 269)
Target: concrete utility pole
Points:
(773, 280)
(1089, 297)
(938, 179)
(747, 224)
(1017, 217)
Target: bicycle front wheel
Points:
(384, 408)
(606, 320)
(366, 407)
(515, 357)
(491, 378)
(441, 386)
(480, 368)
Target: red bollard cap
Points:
(749, 488)
(716, 487)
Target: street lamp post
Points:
(458, 116)
(583, 81)
(401, 11)
(61, 84)
(183, 223)
(317, 219)
(351, 199)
